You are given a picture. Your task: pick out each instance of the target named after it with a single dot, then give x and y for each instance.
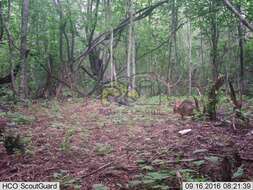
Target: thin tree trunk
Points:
(72, 46)
(241, 47)
(61, 28)
(214, 40)
(10, 47)
(202, 54)
(62, 25)
(133, 61)
(130, 35)
(190, 59)
(174, 29)
(173, 54)
(168, 91)
(24, 50)
(111, 58)
(112, 65)
(1, 22)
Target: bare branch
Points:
(142, 13)
(237, 13)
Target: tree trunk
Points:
(130, 40)
(24, 50)
(202, 55)
(214, 42)
(133, 61)
(241, 47)
(10, 48)
(212, 98)
(112, 69)
(57, 4)
(190, 59)
(113, 76)
(1, 22)
(173, 54)
(174, 29)
(240, 16)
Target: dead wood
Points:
(226, 169)
(229, 5)
(212, 98)
(237, 104)
(97, 170)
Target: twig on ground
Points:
(178, 161)
(179, 178)
(97, 170)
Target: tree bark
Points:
(1, 22)
(58, 7)
(130, 46)
(212, 98)
(174, 29)
(241, 47)
(133, 61)
(24, 50)
(113, 76)
(190, 59)
(14, 71)
(173, 51)
(214, 41)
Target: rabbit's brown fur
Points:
(184, 108)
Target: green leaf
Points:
(99, 187)
(149, 168)
(239, 172)
(161, 187)
(213, 159)
(158, 162)
(134, 183)
(199, 163)
(157, 175)
(186, 170)
(141, 161)
(148, 181)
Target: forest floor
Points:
(84, 145)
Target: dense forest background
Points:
(68, 47)
(126, 94)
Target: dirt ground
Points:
(83, 143)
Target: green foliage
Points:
(20, 119)
(152, 34)
(160, 177)
(55, 109)
(151, 180)
(239, 172)
(213, 159)
(14, 144)
(133, 94)
(103, 149)
(99, 187)
(67, 181)
(107, 92)
(7, 95)
(66, 144)
(190, 175)
(199, 163)
(119, 92)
